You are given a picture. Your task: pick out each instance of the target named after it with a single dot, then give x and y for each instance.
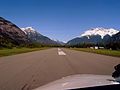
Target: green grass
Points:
(7, 52)
(100, 51)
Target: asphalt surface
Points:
(30, 70)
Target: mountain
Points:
(59, 42)
(94, 36)
(11, 34)
(35, 37)
(116, 38)
(115, 41)
(77, 40)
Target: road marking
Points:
(64, 84)
(59, 49)
(60, 52)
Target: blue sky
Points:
(62, 19)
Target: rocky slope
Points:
(10, 33)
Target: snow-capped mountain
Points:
(34, 36)
(94, 36)
(59, 42)
(100, 31)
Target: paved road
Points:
(31, 70)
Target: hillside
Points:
(35, 37)
(10, 34)
(94, 36)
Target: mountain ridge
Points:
(13, 36)
(34, 36)
(94, 36)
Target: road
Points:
(30, 70)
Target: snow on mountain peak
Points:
(28, 29)
(100, 31)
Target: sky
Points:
(62, 19)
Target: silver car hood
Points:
(78, 81)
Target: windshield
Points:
(59, 43)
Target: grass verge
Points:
(8, 52)
(100, 51)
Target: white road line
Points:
(60, 52)
(59, 49)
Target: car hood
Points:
(79, 81)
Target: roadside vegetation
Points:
(115, 53)
(13, 51)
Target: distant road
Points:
(33, 69)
